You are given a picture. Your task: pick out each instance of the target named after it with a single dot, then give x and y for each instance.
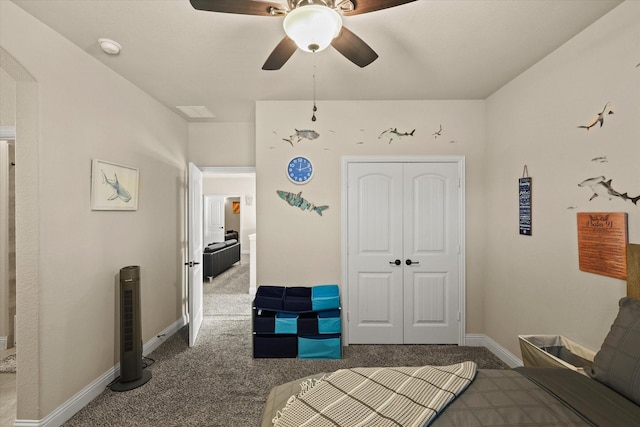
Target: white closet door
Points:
(431, 253)
(375, 243)
(403, 253)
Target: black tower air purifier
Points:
(131, 373)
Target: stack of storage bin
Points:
(297, 321)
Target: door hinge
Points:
(459, 316)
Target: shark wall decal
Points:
(298, 201)
(602, 187)
(599, 118)
(302, 134)
(392, 133)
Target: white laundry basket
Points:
(555, 351)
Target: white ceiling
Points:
(429, 49)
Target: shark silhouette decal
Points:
(300, 202)
(392, 133)
(602, 187)
(299, 135)
(599, 118)
(118, 190)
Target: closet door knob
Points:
(409, 262)
(396, 262)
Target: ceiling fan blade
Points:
(365, 6)
(244, 7)
(280, 54)
(353, 48)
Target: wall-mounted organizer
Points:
(301, 322)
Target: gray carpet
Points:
(219, 383)
(8, 364)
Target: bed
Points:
(609, 395)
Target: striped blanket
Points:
(402, 396)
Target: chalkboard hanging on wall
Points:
(524, 196)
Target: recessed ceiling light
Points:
(109, 46)
(196, 111)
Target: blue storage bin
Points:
(286, 323)
(275, 346)
(297, 298)
(325, 297)
(320, 347)
(264, 321)
(308, 324)
(329, 322)
(269, 297)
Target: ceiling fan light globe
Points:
(312, 27)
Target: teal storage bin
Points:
(329, 322)
(286, 323)
(325, 297)
(320, 347)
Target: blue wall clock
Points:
(300, 170)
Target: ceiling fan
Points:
(310, 25)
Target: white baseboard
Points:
(68, 409)
(481, 340)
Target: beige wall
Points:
(301, 248)
(67, 310)
(222, 144)
(533, 284)
(7, 99)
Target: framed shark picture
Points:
(114, 187)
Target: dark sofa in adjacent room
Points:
(218, 257)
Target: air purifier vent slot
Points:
(128, 320)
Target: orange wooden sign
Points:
(602, 243)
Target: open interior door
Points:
(195, 252)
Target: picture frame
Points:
(235, 207)
(114, 187)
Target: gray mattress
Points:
(520, 397)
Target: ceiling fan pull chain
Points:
(313, 116)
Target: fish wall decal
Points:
(599, 118)
(299, 135)
(602, 187)
(118, 189)
(392, 133)
(298, 201)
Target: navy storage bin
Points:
(297, 299)
(264, 321)
(269, 297)
(286, 323)
(320, 347)
(325, 297)
(275, 346)
(329, 322)
(308, 324)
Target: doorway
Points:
(404, 221)
(8, 243)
